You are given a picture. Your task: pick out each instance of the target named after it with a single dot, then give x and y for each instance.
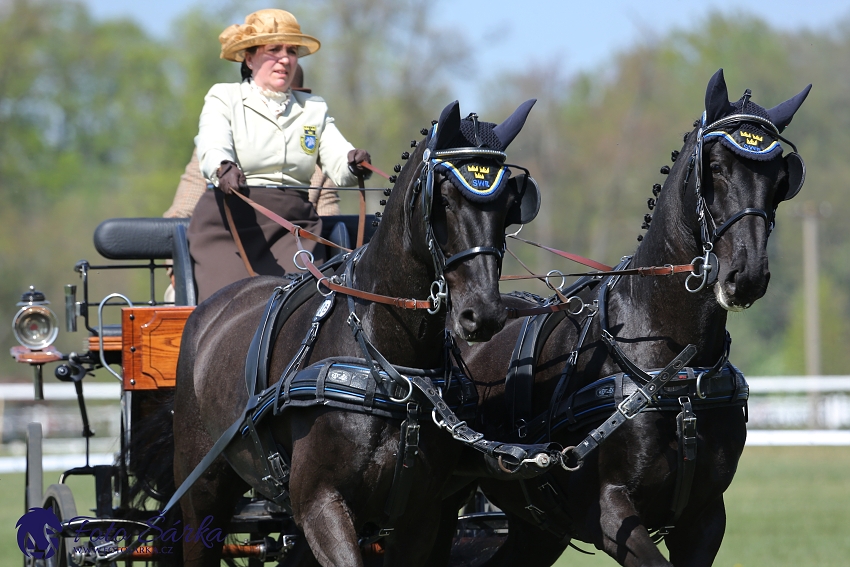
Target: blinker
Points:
(525, 210)
(796, 175)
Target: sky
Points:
(576, 35)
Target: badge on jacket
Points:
(308, 140)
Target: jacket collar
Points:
(252, 99)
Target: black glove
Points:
(230, 177)
(355, 158)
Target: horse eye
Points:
(715, 167)
(444, 200)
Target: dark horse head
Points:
(459, 197)
(734, 146)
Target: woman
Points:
(260, 132)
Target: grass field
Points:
(787, 507)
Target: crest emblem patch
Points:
(309, 143)
(481, 180)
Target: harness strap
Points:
(408, 448)
(686, 432)
(632, 405)
(566, 375)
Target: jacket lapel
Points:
(251, 99)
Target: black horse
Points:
(444, 230)
(651, 476)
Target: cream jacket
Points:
(236, 125)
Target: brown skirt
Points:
(270, 247)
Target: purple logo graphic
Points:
(38, 533)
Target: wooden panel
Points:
(151, 343)
(109, 343)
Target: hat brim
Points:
(307, 45)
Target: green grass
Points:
(788, 506)
(12, 508)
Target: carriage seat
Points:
(163, 239)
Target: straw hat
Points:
(265, 27)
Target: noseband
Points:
(425, 186)
(709, 263)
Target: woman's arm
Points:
(333, 155)
(215, 135)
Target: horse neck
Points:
(391, 266)
(661, 305)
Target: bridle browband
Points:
(708, 237)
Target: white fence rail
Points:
(783, 410)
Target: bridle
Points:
(425, 185)
(706, 266)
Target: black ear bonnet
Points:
(752, 131)
(471, 154)
(747, 139)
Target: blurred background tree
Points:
(97, 120)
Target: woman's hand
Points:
(357, 157)
(231, 178)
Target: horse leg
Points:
(695, 544)
(326, 521)
(624, 537)
(212, 498)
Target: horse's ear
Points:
(507, 130)
(717, 99)
(447, 127)
(781, 114)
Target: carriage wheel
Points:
(34, 473)
(60, 499)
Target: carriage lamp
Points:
(35, 325)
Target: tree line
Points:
(97, 120)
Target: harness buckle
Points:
(279, 470)
(632, 405)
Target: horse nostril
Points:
(469, 321)
(732, 280)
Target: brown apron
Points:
(270, 247)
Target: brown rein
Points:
(407, 303)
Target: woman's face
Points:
(273, 66)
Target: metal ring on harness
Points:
(553, 273)
(581, 303)
(407, 397)
(295, 258)
(564, 455)
(702, 266)
(319, 287)
(699, 386)
(438, 296)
